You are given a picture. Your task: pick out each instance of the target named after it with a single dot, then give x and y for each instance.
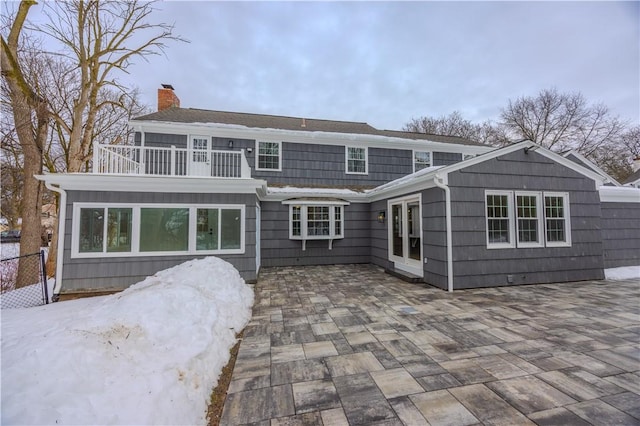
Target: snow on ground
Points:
(623, 273)
(148, 355)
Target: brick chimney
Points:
(167, 98)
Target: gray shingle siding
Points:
(278, 250)
(313, 164)
(477, 266)
(116, 273)
(621, 234)
(446, 158)
(379, 235)
(434, 237)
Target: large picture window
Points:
(164, 229)
(269, 156)
(356, 159)
(520, 219)
(147, 230)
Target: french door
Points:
(405, 234)
(200, 156)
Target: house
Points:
(260, 190)
(634, 179)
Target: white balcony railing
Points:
(137, 160)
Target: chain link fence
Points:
(24, 281)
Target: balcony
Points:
(155, 161)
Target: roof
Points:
(633, 178)
(265, 121)
(584, 161)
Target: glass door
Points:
(405, 234)
(200, 157)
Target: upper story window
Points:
(518, 219)
(269, 156)
(421, 160)
(356, 159)
(147, 230)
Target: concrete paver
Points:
(351, 345)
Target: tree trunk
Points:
(31, 118)
(52, 259)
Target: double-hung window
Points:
(499, 206)
(556, 217)
(154, 230)
(314, 221)
(527, 219)
(356, 160)
(269, 156)
(421, 160)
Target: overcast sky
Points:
(388, 62)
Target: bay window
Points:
(314, 221)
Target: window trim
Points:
(511, 227)
(304, 204)
(366, 160)
(413, 156)
(539, 229)
(514, 238)
(135, 229)
(257, 157)
(567, 218)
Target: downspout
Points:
(440, 183)
(62, 213)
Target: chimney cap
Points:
(167, 86)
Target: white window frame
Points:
(366, 160)
(538, 218)
(514, 237)
(135, 229)
(414, 159)
(510, 216)
(257, 150)
(567, 219)
(304, 205)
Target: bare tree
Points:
(101, 39)
(31, 117)
(561, 121)
(454, 124)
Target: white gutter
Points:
(441, 183)
(62, 213)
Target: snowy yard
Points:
(149, 355)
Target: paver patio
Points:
(349, 344)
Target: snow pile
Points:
(623, 273)
(149, 355)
